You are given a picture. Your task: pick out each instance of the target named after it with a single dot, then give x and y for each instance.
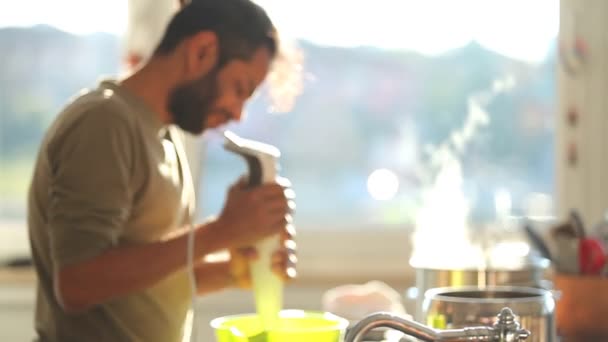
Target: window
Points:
(48, 55)
(390, 106)
(430, 116)
(410, 108)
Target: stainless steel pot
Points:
(459, 307)
(529, 272)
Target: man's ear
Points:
(202, 53)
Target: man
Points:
(111, 194)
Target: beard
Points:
(191, 102)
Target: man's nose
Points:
(237, 112)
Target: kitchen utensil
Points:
(591, 256)
(566, 237)
(577, 223)
(459, 307)
(525, 271)
(566, 256)
(577, 252)
(267, 286)
(537, 241)
(494, 256)
(600, 231)
(291, 326)
(591, 253)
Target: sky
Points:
(522, 29)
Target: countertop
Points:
(23, 279)
(17, 276)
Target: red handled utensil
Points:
(591, 256)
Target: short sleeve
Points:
(89, 191)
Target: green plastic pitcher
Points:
(292, 326)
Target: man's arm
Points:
(123, 270)
(90, 198)
(214, 276)
(247, 217)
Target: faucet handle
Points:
(508, 328)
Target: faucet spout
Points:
(504, 330)
(415, 329)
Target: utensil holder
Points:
(582, 308)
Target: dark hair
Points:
(240, 25)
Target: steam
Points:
(441, 238)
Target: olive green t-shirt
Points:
(109, 174)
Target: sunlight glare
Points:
(74, 16)
(519, 29)
(382, 184)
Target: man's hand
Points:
(251, 214)
(283, 260)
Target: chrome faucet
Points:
(505, 329)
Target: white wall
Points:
(583, 86)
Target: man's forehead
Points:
(259, 65)
(255, 69)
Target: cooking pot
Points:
(459, 307)
(529, 271)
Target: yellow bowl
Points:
(292, 326)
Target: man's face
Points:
(218, 97)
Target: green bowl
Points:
(292, 326)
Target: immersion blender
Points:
(267, 286)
